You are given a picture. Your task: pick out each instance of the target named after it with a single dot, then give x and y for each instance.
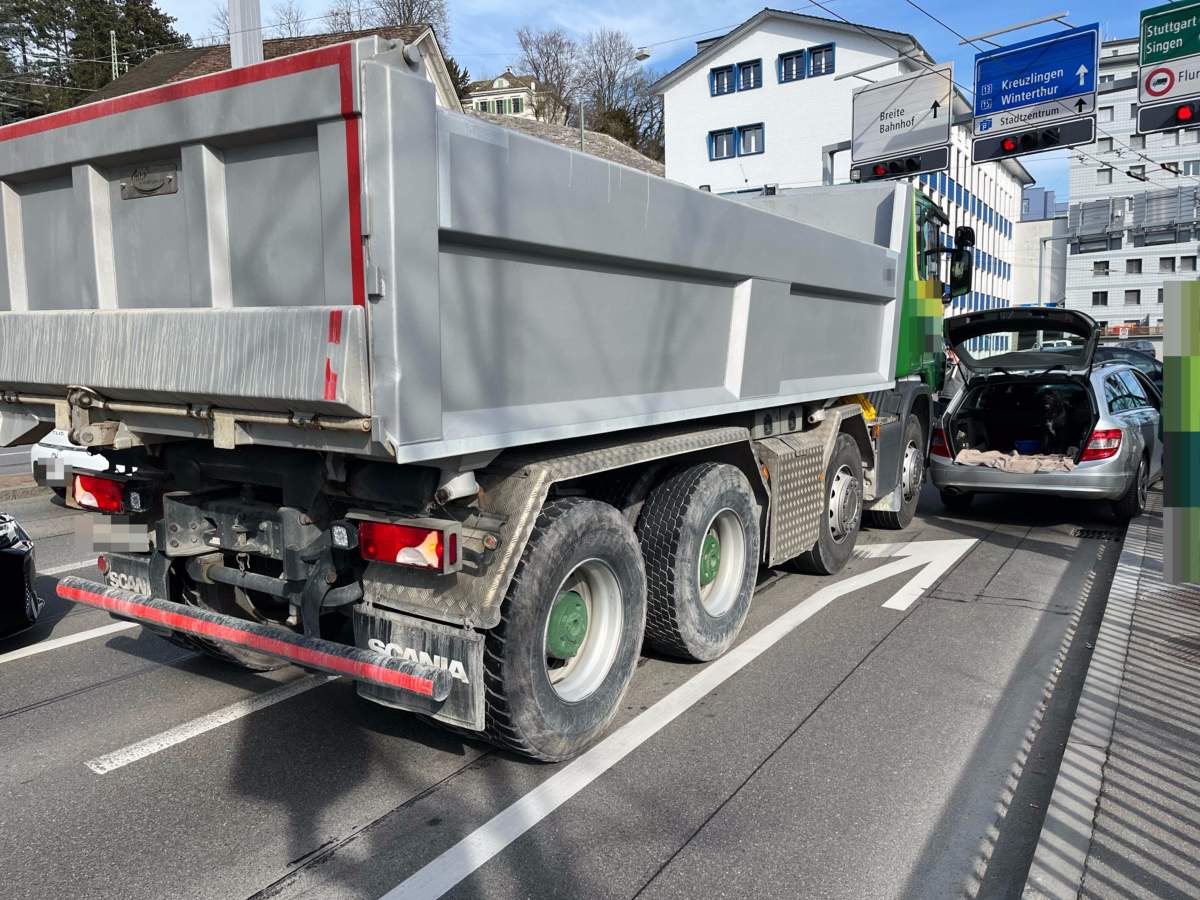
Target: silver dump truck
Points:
(395, 393)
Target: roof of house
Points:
(177, 65)
(514, 80)
(899, 41)
(596, 143)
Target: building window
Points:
(721, 144)
(1099, 298)
(820, 60)
(1133, 297)
(791, 66)
(1106, 114)
(1105, 145)
(750, 140)
(750, 75)
(1133, 110)
(720, 81)
(1133, 267)
(1100, 268)
(1170, 138)
(485, 105)
(1191, 167)
(1104, 176)
(1107, 79)
(501, 106)
(1137, 141)
(518, 105)
(1187, 264)
(1166, 264)
(1160, 290)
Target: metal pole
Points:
(112, 40)
(245, 33)
(581, 125)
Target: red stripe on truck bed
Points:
(335, 55)
(205, 629)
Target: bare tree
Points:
(608, 69)
(552, 58)
(289, 19)
(219, 21)
(345, 15)
(414, 12)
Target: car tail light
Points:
(938, 446)
(1103, 444)
(100, 494)
(416, 545)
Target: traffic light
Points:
(1034, 140)
(1168, 117)
(902, 166)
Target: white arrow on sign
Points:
(934, 558)
(456, 863)
(1082, 73)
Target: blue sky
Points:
(482, 31)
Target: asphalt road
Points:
(890, 732)
(14, 461)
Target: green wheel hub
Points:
(710, 559)
(568, 625)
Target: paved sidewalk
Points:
(1124, 819)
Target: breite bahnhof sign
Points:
(1169, 53)
(900, 115)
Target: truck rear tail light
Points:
(1103, 444)
(415, 545)
(100, 494)
(938, 445)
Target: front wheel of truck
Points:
(558, 664)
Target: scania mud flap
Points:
(455, 651)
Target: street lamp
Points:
(642, 54)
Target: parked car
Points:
(1145, 362)
(19, 604)
(54, 454)
(1098, 421)
(1142, 346)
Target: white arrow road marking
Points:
(66, 641)
(935, 557)
(451, 867)
(188, 730)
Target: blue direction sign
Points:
(1037, 82)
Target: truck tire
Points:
(842, 516)
(699, 536)
(570, 632)
(912, 479)
(1133, 501)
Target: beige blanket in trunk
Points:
(1015, 462)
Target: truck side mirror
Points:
(962, 268)
(964, 236)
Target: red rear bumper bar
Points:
(312, 653)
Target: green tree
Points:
(459, 75)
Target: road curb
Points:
(1061, 856)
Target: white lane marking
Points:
(452, 866)
(188, 730)
(89, 563)
(66, 641)
(936, 557)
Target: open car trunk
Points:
(1032, 414)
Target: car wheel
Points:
(1133, 502)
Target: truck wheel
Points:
(558, 664)
(912, 479)
(699, 536)
(843, 511)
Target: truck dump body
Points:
(313, 237)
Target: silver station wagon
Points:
(1036, 418)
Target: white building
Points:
(760, 104)
(1130, 236)
(504, 95)
(1040, 250)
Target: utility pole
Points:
(112, 42)
(581, 124)
(245, 33)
